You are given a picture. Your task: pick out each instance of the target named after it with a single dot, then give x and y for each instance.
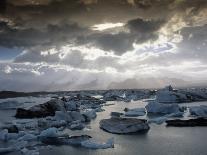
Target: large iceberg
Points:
(168, 95)
(42, 110)
(124, 125)
(160, 108)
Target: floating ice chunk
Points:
(26, 151)
(28, 137)
(3, 135)
(71, 106)
(135, 112)
(158, 120)
(124, 125)
(60, 115)
(20, 144)
(17, 146)
(96, 145)
(50, 132)
(162, 119)
(75, 115)
(168, 95)
(200, 111)
(90, 114)
(77, 125)
(154, 107)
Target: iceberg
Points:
(200, 111)
(72, 140)
(96, 145)
(60, 115)
(119, 125)
(71, 106)
(89, 114)
(162, 119)
(77, 125)
(135, 112)
(26, 151)
(27, 137)
(168, 95)
(160, 108)
(50, 132)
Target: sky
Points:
(50, 45)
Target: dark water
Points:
(160, 140)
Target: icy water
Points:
(160, 140)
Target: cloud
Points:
(97, 42)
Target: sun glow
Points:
(105, 26)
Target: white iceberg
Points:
(96, 145)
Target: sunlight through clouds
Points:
(102, 27)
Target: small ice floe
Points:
(65, 140)
(71, 106)
(6, 136)
(26, 151)
(50, 132)
(162, 119)
(200, 111)
(89, 114)
(116, 114)
(135, 112)
(158, 120)
(60, 115)
(97, 145)
(16, 147)
(77, 125)
(28, 137)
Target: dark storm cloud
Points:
(139, 31)
(53, 23)
(28, 19)
(52, 35)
